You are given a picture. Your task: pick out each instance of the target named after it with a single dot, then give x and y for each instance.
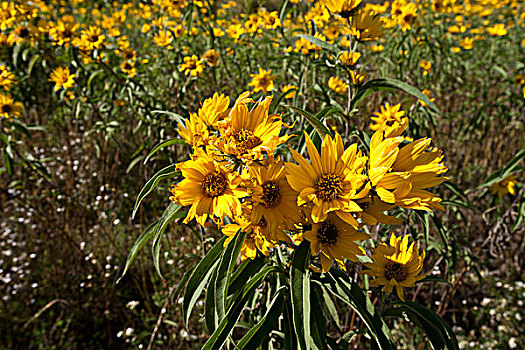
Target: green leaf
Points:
(318, 333)
(137, 246)
(217, 339)
(93, 76)
(321, 43)
(173, 116)
(389, 83)
(244, 272)
(152, 183)
(199, 277)
(439, 333)
(508, 169)
(170, 214)
(224, 272)
(321, 129)
(300, 290)
(32, 63)
(162, 145)
(256, 335)
(339, 284)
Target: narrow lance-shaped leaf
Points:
(164, 173)
(255, 336)
(162, 145)
(321, 129)
(199, 277)
(137, 246)
(300, 290)
(170, 214)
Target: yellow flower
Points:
(497, 30)
(401, 175)
(408, 16)
(377, 48)
(163, 38)
(210, 188)
(396, 265)
(254, 240)
(273, 200)
(6, 77)
(426, 66)
(9, 108)
(505, 186)
(358, 78)
(128, 68)
(212, 57)
(192, 65)
(467, 43)
(428, 94)
(63, 32)
(335, 240)
(214, 109)
(349, 58)
(337, 85)
(519, 79)
(331, 181)
(194, 132)
(367, 26)
(389, 116)
(344, 8)
(92, 38)
(62, 78)
(262, 81)
(248, 133)
(288, 90)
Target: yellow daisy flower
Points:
(194, 132)
(273, 199)
(192, 65)
(9, 108)
(210, 188)
(397, 265)
(214, 109)
(387, 117)
(367, 26)
(62, 78)
(337, 85)
(246, 134)
(331, 181)
(262, 81)
(92, 38)
(212, 57)
(505, 186)
(344, 8)
(335, 240)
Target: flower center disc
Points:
(327, 233)
(246, 140)
(6, 109)
(214, 184)
(328, 187)
(271, 194)
(396, 271)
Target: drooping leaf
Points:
(161, 145)
(321, 129)
(137, 246)
(165, 173)
(170, 214)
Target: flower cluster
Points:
(236, 178)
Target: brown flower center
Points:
(328, 187)
(327, 233)
(214, 184)
(271, 194)
(7, 109)
(395, 270)
(246, 140)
